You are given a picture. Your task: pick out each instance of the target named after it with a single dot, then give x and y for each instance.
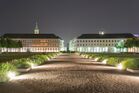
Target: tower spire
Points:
(36, 30)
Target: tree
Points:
(19, 44)
(132, 43)
(120, 45)
(7, 43)
(129, 43)
(2, 41)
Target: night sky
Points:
(69, 18)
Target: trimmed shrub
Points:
(113, 61)
(4, 69)
(50, 55)
(101, 58)
(130, 63)
(21, 63)
(93, 56)
(39, 59)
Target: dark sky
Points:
(69, 18)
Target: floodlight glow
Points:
(104, 61)
(96, 59)
(101, 33)
(33, 65)
(120, 66)
(90, 57)
(11, 74)
(48, 59)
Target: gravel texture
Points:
(70, 73)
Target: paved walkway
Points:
(70, 73)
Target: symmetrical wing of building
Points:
(100, 42)
(36, 42)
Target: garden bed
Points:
(126, 60)
(10, 69)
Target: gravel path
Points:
(69, 73)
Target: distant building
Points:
(37, 42)
(100, 42)
(136, 35)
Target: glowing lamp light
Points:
(96, 59)
(11, 74)
(101, 33)
(104, 61)
(120, 66)
(32, 65)
(90, 57)
(48, 59)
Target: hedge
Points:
(130, 63)
(127, 60)
(15, 64)
(4, 69)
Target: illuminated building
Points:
(36, 42)
(100, 42)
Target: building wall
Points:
(40, 42)
(37, 45)
(96, 45)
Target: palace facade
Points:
(36, 42)
(100, 42)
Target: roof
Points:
(42, 36)
(99, 36)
